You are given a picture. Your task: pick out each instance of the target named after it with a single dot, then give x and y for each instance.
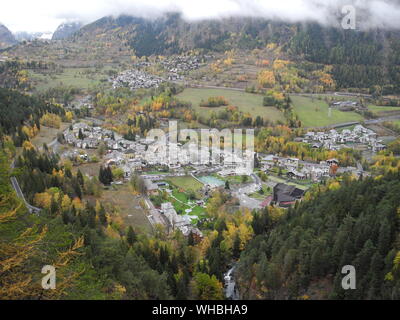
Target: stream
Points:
(230, 288)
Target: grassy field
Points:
(246, 102)
(128, 206)
(186, 183)
(76, 77)
(297, 185)
(381, 109)
(47, 134)
(232, 179)
(90, 169)
(314, 112)
(257, 195)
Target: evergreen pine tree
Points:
(131, 236)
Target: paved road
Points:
(383, 119)
(155, 216)
(20, 194)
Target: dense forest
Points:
(360, 59)
(18, 111)
(302, 255)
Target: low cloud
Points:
(370, 13)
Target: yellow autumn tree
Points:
(42, 200)
(28, 145)
(266, 78)
(51, 120)
(69, 116)
(280, 64)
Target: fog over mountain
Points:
(64, 30)
(6, 37)
(44, 15)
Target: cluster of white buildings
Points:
(176, 65)
(334, 140)
(133, 155)
(83, 102)
(135, 79)
(303, 170)
(181, 222)
(129, 155)
(346, 105)
(83, 136)
(177, 155)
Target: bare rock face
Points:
(6, 37)
(66, 29)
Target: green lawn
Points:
(246, 102)
(232, 179)
(281, 180)
(180, 195)
(380, 109)
(261, 196)
(186, 183)
(314, 112)
(181, 205)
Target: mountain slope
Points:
(171, 34)
(303, 255)
(6, 37)
(358, 59)
(64, 30)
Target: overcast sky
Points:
(46, 15)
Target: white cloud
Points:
(46, 15)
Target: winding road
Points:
(14, 182)
(18, 190)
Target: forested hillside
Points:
(360, 59)
(302, 256)
(21, 114)
(94, 258)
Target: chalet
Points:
(316, 145)
(285, 195)
(332, 161)
(294, 174)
